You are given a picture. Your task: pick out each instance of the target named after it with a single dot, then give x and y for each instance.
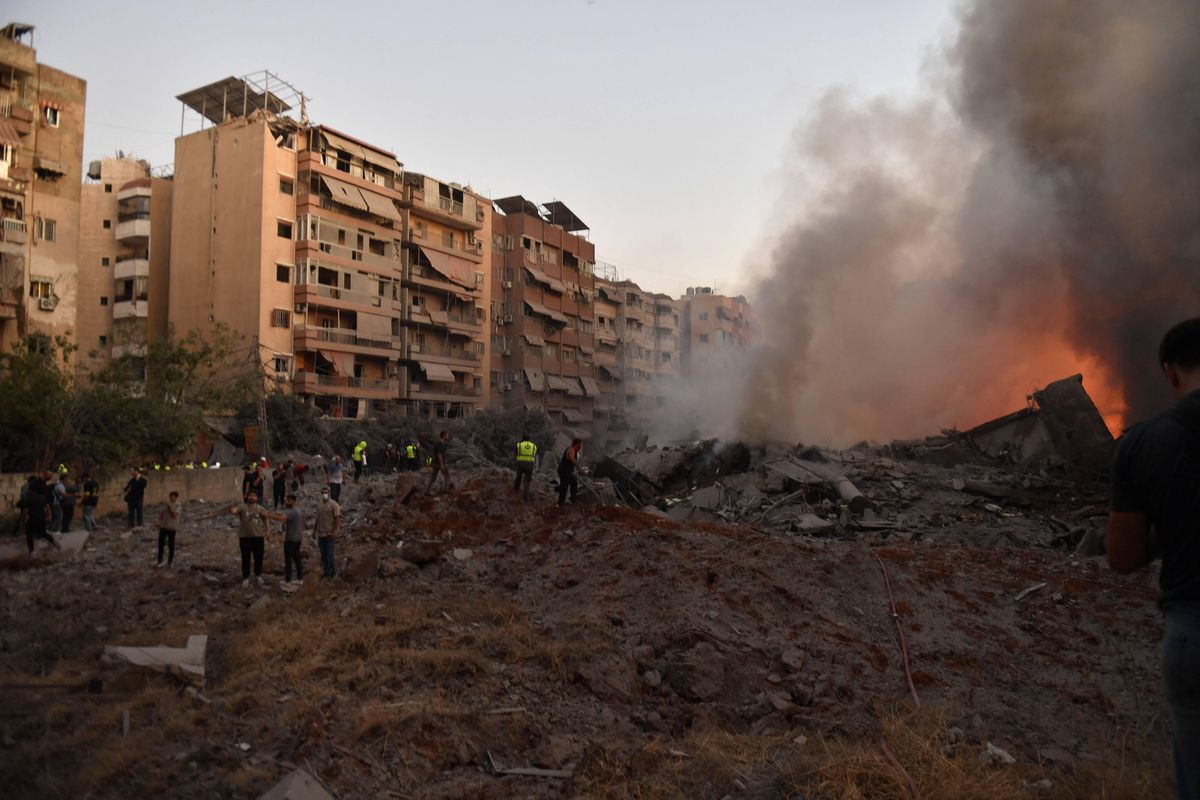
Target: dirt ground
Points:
(642, 657)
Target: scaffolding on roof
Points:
(231, 97)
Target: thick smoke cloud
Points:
(1036, 214)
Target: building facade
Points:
(124, 260)
(41, 157)
(543, 312)
(716, 329)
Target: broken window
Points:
(41, 288)
(282, 364)
(283, 273)
(107, 224)
(104, 261)
(108, 188)
(283, 229)
(286, 186)
(376, 246)
(103, 301)
(52, 116)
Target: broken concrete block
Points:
(699, 674)
(298, 785)
(995, 755)
(187, 662)
(421, 551)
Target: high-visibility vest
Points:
(410, 451)
(157, 466)
(358, 451)
(526, 451)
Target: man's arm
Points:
(1130, 541)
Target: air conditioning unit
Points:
(506, 352)
(508, 284)
(299, 308)
(47, 303)
(508, 318)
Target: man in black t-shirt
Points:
(35, 505)
(438, 465)
(135, 497)
(1155, 512)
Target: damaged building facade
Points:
(41, 156)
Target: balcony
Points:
(311, 337)
(443, 392)
(370, 388)
(449, 212)
(129, 307)
(441, 354)
(131, 267)
(314, 248)
(13, 236)
(321, 294)
(133, 227)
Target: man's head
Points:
(1179, 356)
(137, 473)
(173, 496)
(444, 435)
(577, 443)
(324, 495)
(524, 437)
(337, 458)
(251, 499)
(290, 501)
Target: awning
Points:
(344, 193)
(381, 161)
(462, 370)
(536, 341)
(573, 387)
(50, 165)
(583, 348)
(373, 326)
(538, 308)
(381, 206)
(456, 270)
(613, 372)
(537, 381)
(590, 387)
(8, 134)
(575, 415)
(436, 372)
(532, 404)
(420, 316)
(343, 363)
(440, 317)
(558, 384)
(554, 283)
(336, 142)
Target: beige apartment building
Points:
(41, 156)
(543, 312)
(358, 286)
(715, 328)
(124, 260)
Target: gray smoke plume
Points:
(1036, 214)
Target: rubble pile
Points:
(734, 640)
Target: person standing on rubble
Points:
(335, 472)
(329, 525)
(293, 535)
(1155, 512)
(279, 477)
(438, 466)
(35, 508)
(254, 526)
(526, 460)
(257, 483)
(168, 526)
(412, 456)
(135, 496)
(567, 467)
(359, 456)
(91, 498)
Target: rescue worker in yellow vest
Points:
(526, 459)
(412, 462)
(359, 456)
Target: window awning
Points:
(536, 341)
(554, 283)
(343, 363)
(344, 193)
(568, 385)
(381, 206)
(8, 134)
(533, 404)
(382, 162)
(537, 381)
(573, 387)
(613, 372)
(589, 387)
(462, 370)
(50, 165)
(440, 317)
(436, 372)
(538, 308)
(575, 415)
(336, 142)
(455, 269)
(416, 315)
(583, 348)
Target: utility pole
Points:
(260, 378)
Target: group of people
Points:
(568, 468)
(47, 504)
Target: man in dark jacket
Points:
(135, 496)
(1155, 512)
(35, 507)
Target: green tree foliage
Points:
(37, 403)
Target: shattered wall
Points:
(1033, 214)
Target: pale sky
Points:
(663, 125)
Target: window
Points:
(282, 364)
(103, 301)
(51, 115)
(666, 358)
(107, 224)
(286, 186)
(46, 229)
(376, 246)
(568, 354)
(41, 289)
(703, 315)
(704, 338)
(108, 188)
(6, 153)
(104, 261)
(103, 341)
(281, 318)
(283, 229)
(283, 273)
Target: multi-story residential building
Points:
(124, 259)
(543, 312)
(610, 349)
(446, 285)
(667, 345)
(41, 157)
(315, 247)
(715, 328)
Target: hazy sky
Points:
(662, 124)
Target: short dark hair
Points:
(524, 436)
(443, 434)
(577, 441)
(1181, 346)
(290, 496)
(173, 494)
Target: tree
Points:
(36, 402)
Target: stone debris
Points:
(186, 662)
(297, 785)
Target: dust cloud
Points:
(1035, 214)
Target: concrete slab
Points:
(298, 785)
(187, 662)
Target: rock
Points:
(421, 551)
(793, 658)
(298, 785)
(699, 674)
(610, 677)
(364, 568)
(461, 553)
(643, 655)
(780, 701)
(652, 678)
(994, 755)
(558, 751)
(1056, 755)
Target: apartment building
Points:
(41, 157)
(715, 328)
(124, 259)
(444, 347)
(543, 312)
(610, 351)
